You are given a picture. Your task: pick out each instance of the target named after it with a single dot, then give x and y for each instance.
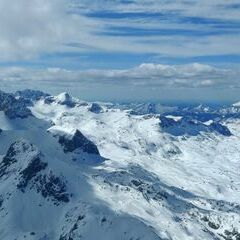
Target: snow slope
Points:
(138, 181)
(237, 104)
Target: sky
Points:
(122, 50)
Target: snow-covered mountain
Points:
(237, 104)
(187, 126)
(76, 170)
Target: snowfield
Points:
(78, 170)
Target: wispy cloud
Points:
(168, 28)
(54, 42)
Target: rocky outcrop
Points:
(62, 99)
(18, 111)
(24, 158)
(95, 108)
(29, 96)
(191, 127)
(31, 171)
(167, 122)
(146, 108)
(78, 141)
(221, 129)
(53, 187)
(12, 107)
(8, 160)
(24, 163)
(1, 201)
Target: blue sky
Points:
(114, 38)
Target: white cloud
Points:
(29, 29)
(146, 75)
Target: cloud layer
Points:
(146, 75)
(169, 28)
(56, 43)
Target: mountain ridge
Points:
(117, 175)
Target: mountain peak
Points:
(78, 141)
(62, 99)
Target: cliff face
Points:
(13, 107)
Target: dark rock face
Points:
(220, 129)
(147, 108)
(151, 108)
(6, 100)
(184, 126)
(191, 127)
(24, 163)
(62, 99)
(31, 95)
(17, 153)
(49, 100)
(71, 234)
(17, 111)
(13, 108)
(34, 167)
(65, 99)
(95, 108)
(8, 160)
(78, 141)
(53, 187)
(167, 122)
(1, 201)
(232, 234)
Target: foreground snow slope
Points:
(134, 179)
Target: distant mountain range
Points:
(73, 170)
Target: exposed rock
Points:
(147, 108)
(10, 158)
(78, 141)
(24, 161)
(34, 167)
(191, 127)
(19, 152)
(7, 160)
(13, 108)
(18, 111)
(1, 201)
(231, 234)
(95, 108)
(220, 129)
(167, 122)
(62, 99)
(213, 225)
(6, 100)
(65, 99)
(30, 95)
(52, 186)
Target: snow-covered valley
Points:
(70, 170)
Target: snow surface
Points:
(237, 104)
(150, 184)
